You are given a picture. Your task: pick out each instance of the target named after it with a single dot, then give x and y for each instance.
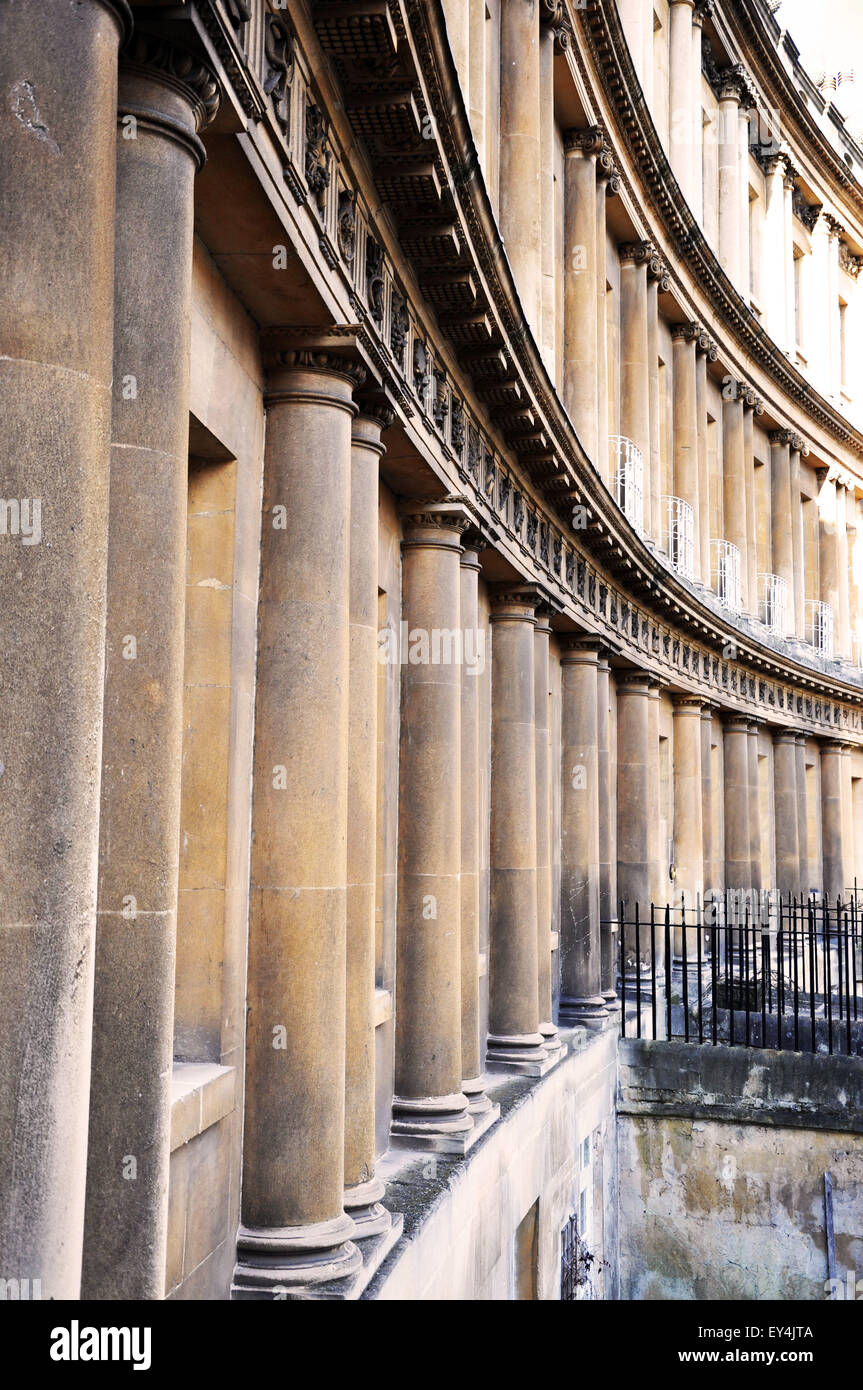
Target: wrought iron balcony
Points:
(774, 603)
(725, 574)
(680, 534)
(820, 626)
(627, 467)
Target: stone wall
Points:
(722, 1156)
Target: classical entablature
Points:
(392, 189)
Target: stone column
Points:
(542, 632)
(818, 329)
(608, 185)
(734, 479)
(681, 95)
(743, 236)
(852, 519)
(634, 370)
(754, 806)
(738, 858)
(472, 1050)
(634, 762)
(515, 1041)
(752, 406)
(730, 96)
(773, 276)
(171, 96)
(635, 21)
(658, 282)
(832, 821)
(478, 61)
(581, 998)
(781, 518)
(294, 1233)
(607, 904)
(547, 134)
(798, 562)
(832, 312)
(785, 812)
(828, 543)
(843, 634)
(657, 852)
(706, 351)
(684, 336)
(580, 322)
(710, 874)
(788, 184)
(457, 15)
(520, 154)
(699, 14)
(429, 1106)
(58, 75)
(363, 1190)
(688, 804)
(805, 873)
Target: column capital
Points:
(781, 439)
(436, 520)
(827, 744)
(734, 722)
(657, 270)
(310, 375)
(799, 445)
(752, 401)
(754, 723)
(638, 252)
(582, 650)
(379, 412)
(706, 346)
(607, 172)
(588, 142)
(686, 703)
(784, 734)
(185, 80)
(633, 682)
(553, 16)
(511, 600)
(686, 332)
(733, 83)
(703, 10)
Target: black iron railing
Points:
(788, 975)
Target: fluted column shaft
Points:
(548, 292)
(362, 1190)
(657, 279)
(520, 153)
(789, 277)
(743, 235)
(607, 903)
(634, 370)
(738, 859)
(781, 518)
(58, 75)
(843, 633)
(429, 1103)
(828, 545)
(170, 95)
(818, 320)
(580, 321)
(749, 410)
(684, 337)
(633, 775)
(785, 812)
(688, 803)
(514, 1037)
(696, 201)
(580, 949)
(294, 1232)
(773, 276)
(832, 822)
(607, 182)
(702, 518)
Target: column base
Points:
(586, 1009)
(409, 1134)
(295, 1261)
(611, 1001)
(477, 1100)
(363, 1206)
(520, 1052)
(551, 1040)
(439, 1123)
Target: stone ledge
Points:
(740, 1085)
(202, 1093)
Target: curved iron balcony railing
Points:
(725, 575)
(627, 470)
(680, 535)
(819, 626)
(773, 605)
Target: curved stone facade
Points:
(518, 343)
